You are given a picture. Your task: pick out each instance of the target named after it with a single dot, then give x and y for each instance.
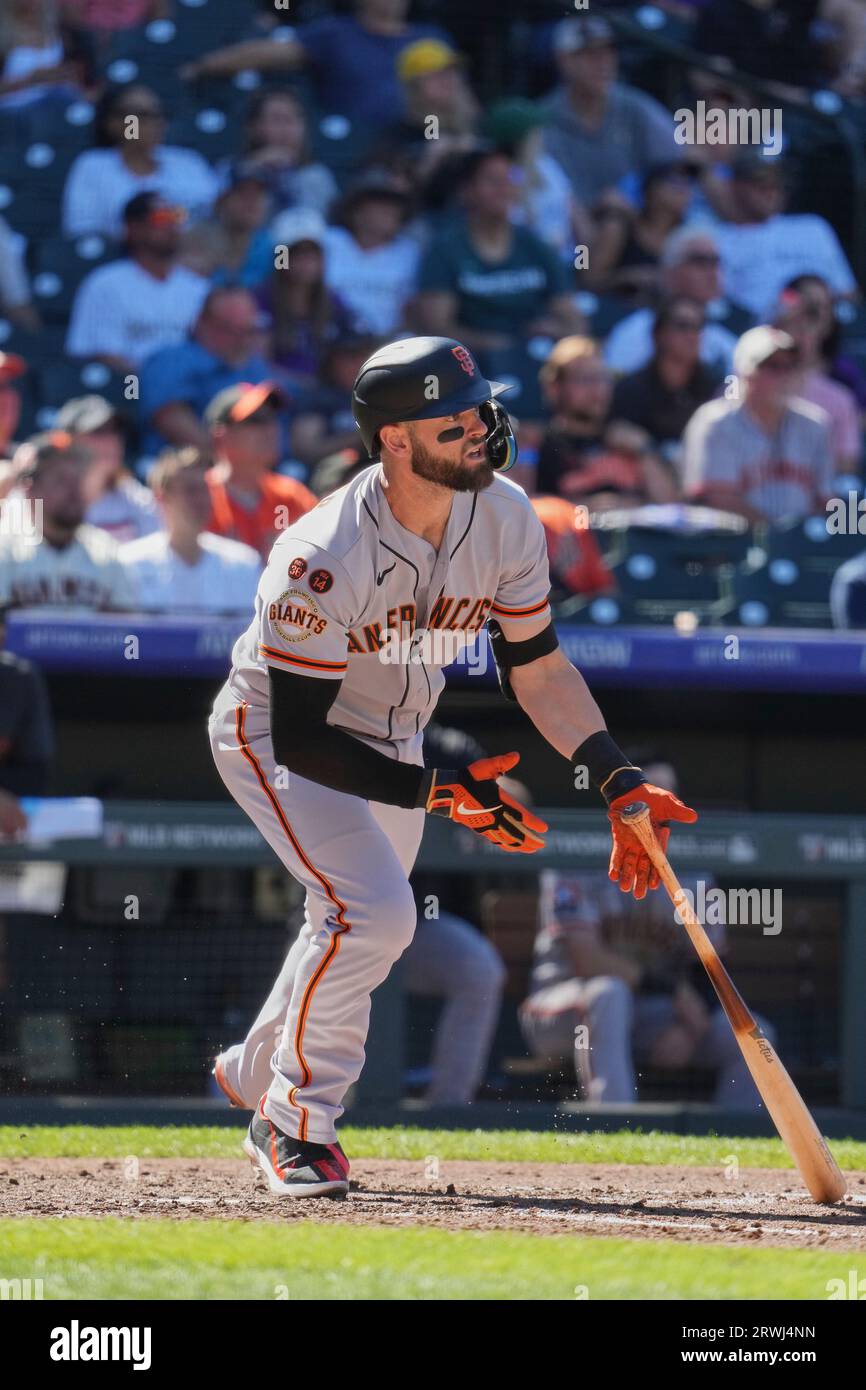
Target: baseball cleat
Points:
(293, 1167)
(219, 1076)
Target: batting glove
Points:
(630, 865)
(471, 797)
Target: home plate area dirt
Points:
(763, 1207)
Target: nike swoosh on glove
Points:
(470, 796)
(630, 865)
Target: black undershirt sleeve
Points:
(305, 743)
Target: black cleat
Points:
(294, 1167)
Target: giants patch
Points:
(298, 568)
(295, 616)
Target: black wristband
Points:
(608, 767)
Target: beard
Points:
(459, 477)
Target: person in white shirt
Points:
(117, 502)
(129, 159)
(369, 261)
(130, 308)
(184, 568)
(690, 270)
(763, 247)
(53, 559)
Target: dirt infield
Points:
(692, 1204)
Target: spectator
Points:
(184, 568)
(117, 502)
(37, 58)
(15, 302)
(73, 566)
(324, 423)
(178, 382)
(690, 268)
(12, 367)
(848, 594)
(817, 296)
(662, 397)
(370, 261)
(601, 130)
(484, 280)
(232, 246)
(576, 564)
(625, 970)
(544, 202)
(130, 158)
(442, 113)
(627, 242)
(132, 307)
(353, 59)
(26, 727)
(277, 146)
(819, 43)
(763, 454)
(799, 318)
(307, 317)
(583, 457)
(763, 247)
(249, 503)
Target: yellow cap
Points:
(426, 55)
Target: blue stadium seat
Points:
(63, 123)
(63, 378)
(58, 267)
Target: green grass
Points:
(513, 1146)
(145, 1259)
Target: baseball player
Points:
(317, 732)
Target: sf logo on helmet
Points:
(464, 357)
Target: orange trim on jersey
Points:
(519, 612)
(344, 926)
(303, 660)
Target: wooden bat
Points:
(800, 1135)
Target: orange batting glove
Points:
(630, 865)
(471, 797)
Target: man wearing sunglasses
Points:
(761, 451)
(131, 307)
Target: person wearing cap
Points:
(599, 129)
(442, 114)
(486, 281)
(12, 368)
(370, 261)
(277, 146)
(177, 384)
(102, 181)
(760, 452)
(249, 502)
(545, 203)
(132, 307)
(690, 267)
(353, 59)
(232, 246)
(117, 502)
(763, 247)
(306, 315)
(70, 565)
(183, 567)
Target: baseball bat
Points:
(798, 1131)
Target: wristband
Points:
(609, 769)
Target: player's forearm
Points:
(558, 701)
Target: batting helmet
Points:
(423, 378)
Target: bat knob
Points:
(636, 810)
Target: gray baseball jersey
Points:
(348, 593)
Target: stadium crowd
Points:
(200, 244)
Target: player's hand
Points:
(630, 865)
(470, 796)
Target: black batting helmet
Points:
(423, 378)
